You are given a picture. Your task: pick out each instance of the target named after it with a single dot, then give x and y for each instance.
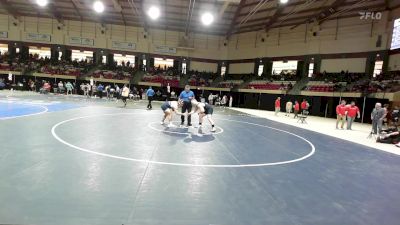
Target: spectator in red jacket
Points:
(277, 105)
(341, 111)
(352, 112)
(296, 109)
(304, 107)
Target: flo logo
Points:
(370, 15)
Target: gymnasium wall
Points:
(204, 46)
(203, 67)
(356, 65)
(394, 62)
(241, 68)
(334, 36)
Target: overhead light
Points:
(98, 6)
(153, 12)
(42, 3)
(283, 1)
(207, 18)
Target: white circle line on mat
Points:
(53, 132)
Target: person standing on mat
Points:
(352, 112)
(186, 97)
(296, 109)
(377, 116)
(277, 105)
(125, 94)
(204, 110)
(150, 94)
(341, 111)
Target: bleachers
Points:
(229, 83)
(162, 79)
(270, 85)
(322, 86)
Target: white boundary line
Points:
(53, 132)
(32, 114)
(176, 132)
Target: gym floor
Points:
(73, 161)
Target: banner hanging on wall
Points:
(165, 49)
(3, 34)
(75, 40)
(87, 41)
(123, 45)
(81, 41)
(38, 37)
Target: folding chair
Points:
(303, 117)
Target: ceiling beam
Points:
(56, 14)
(75, 3)
(138, 11)
(189, 16)
(7, 5)
(326, 10)
(274, 17)
(233, 21)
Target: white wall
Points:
(394, 62)
(239, 68)
(351, 64)
(343, 36)
(203, 67)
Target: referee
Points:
(186, 97)
(150, 94)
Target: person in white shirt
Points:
(230, 101)
(204, 110)
(170, 107)
(210, 99)
(289, 106)
(125, 94)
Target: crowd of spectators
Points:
(197, 78)
(343, 76)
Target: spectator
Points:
(341, 111)
(69, 87)
(377, 116)
(100, 90)
(150, 94)
(296, 109)
(277, 105)
(289, 106)
(352, 112)
(304, 107)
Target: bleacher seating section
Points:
(268, 85)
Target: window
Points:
(378, 68)
(59, 56)
(119, 58)
(183, 68)
(310, 69)
(40, 52)
(260, 70)
(284, 67)
(82, 55)
(104, 59)
(3, 48)
(223, 70)
(144, 65)
(163, 63)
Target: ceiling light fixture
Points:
(42, 3)
(98, 6)
(283, 1)
(153, 12)
(207, 18)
